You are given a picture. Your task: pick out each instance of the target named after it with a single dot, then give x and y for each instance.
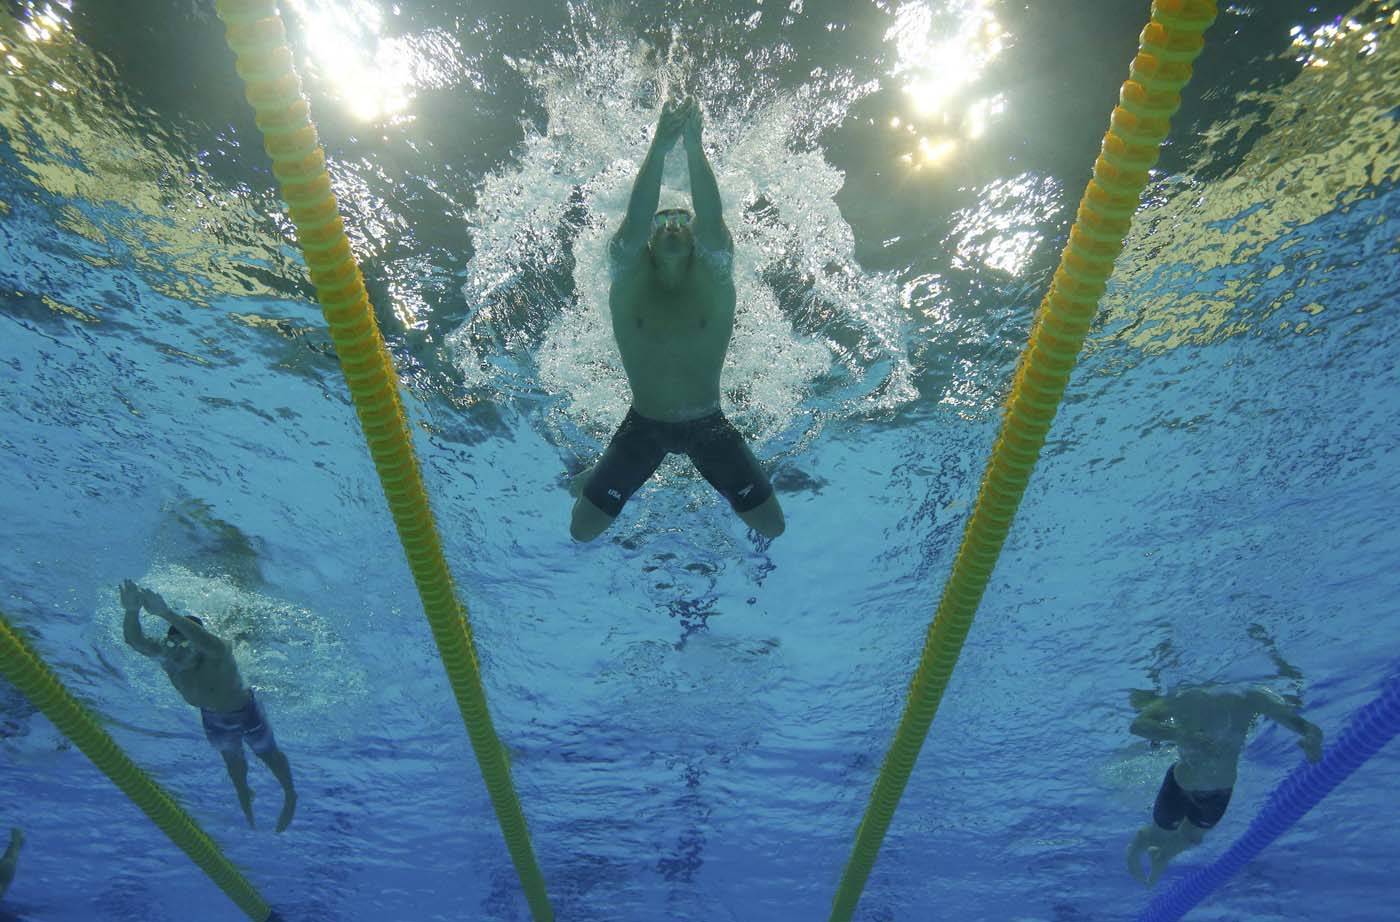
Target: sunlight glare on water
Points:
(374, 74)
(943, 50)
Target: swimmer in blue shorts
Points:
(202, 669)
(672, 301)
(1209, 726)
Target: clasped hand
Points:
(130, 595)
(679, 118)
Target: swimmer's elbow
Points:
(1150, 729)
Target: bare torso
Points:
(673, 341)
(1213, 726)
(211, 682)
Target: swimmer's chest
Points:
(208, 684)
(1224, 720)
(644, 310)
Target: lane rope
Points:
(255, 33)
(1369, 729)
(1170, 43)
(28, 672)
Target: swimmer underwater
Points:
(672, 302)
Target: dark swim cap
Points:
(175, 632)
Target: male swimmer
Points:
(202, 669)
(1208, 726)
(672, 302)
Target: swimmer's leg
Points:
(281, 768)
(724, 459)
(633, 455)
(580, 481)
(766, 518)
(1140, 844)
(588, 521)
(1174, 844)
(1160, 846)
(259, 737)
(238, 773)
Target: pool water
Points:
(695, 715)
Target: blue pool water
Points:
(695, 716)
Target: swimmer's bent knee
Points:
(588, 521)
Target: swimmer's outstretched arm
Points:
(646, 190)
(199, 638)
(704, 191)
(131, 623)
(1276, 709)
(1155, 730)
(1153, 722)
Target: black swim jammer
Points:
(714, 446)
(1174, 804)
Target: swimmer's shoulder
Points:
(717, 262)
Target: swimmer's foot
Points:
(245, 800)
(289, 807)
(1159, 859)
(1135, 851)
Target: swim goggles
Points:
(677, 216)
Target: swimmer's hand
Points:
(154, 603)
(694, 124)
(131, 596)
(671, 123)
(16, 838)
(1311, 743)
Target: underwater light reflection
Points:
(942, 51)
(374, 75)
(1002, 231)
(37, 24)
(1315, 47)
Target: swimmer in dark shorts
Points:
(714, 446)
(672, 302)
(202, 669)
(1209, 726)
(1174, 805)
